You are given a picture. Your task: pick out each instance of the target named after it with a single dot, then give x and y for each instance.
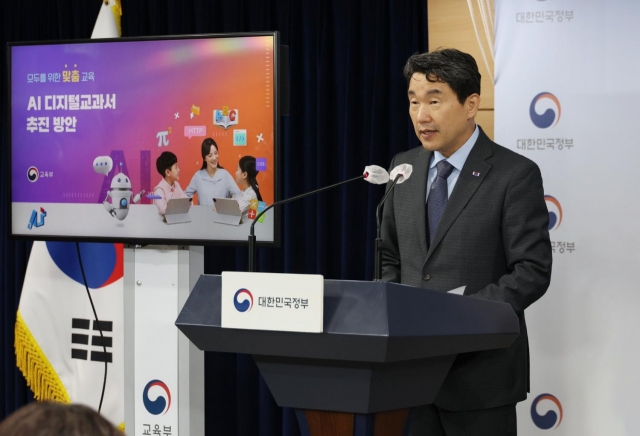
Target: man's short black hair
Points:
(165, 161)
(457, 69)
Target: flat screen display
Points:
(96, 125)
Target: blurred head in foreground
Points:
(56, 419)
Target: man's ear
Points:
(472, 104)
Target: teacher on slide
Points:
(211, 181)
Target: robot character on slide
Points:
(120, 192)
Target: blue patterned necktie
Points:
(437, 199)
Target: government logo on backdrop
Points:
(549, 419)
(246, 303)
(555, 212)
(161, 403)
(549, 117)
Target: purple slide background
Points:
(152, 81)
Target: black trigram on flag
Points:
(80, 340)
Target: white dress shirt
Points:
(457, 160)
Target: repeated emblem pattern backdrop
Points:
(565, 96)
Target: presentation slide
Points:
(90, 119)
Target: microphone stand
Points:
(252, 236)
(377, 270)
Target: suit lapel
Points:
(465, 188)
(418, 183)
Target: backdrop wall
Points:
(566, 95)
(451, 24)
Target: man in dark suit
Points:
(483, 225)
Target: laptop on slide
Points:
(227, 211)
(178, 211)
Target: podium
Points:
(385, 347)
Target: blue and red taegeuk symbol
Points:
(547, 118)
(555, 212)
(161, 403)
(246, 303)
(103, 263)
(549, 419)
(32, 174)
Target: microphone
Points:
(399, 174)
(404, 170)
(372, 174)
(376, 175)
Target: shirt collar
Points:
(166, 185)
(216, 176)
(458, 158)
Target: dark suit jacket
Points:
(493, 237)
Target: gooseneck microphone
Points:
(399, 174)
(372, 174)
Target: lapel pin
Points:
(476, 174)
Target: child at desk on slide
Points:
(168, 188)
(246, 179)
